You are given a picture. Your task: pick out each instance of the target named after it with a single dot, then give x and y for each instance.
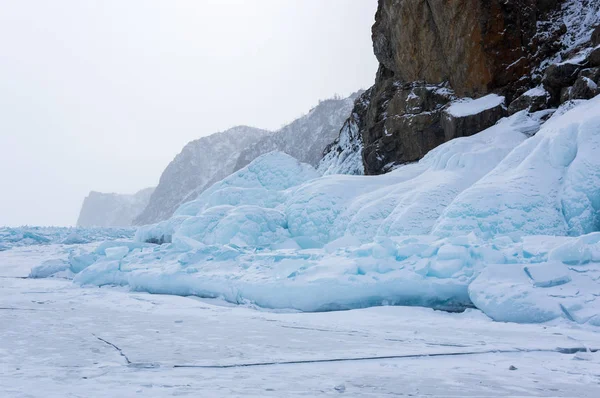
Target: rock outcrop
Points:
(111, 209)
(432, 53)
(475, 45)
(344, 155)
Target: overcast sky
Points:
(101, 95)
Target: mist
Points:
(101, 95)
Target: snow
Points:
(549, 185)
(60, 340)
(538, 91)
(590, 83)
(467, 106)
(496, 221)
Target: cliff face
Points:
(111, 209)
(199, 165)
(435, 55)
(475, 45)
(306, 137)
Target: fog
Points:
(101, 95)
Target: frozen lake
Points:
(60, 340)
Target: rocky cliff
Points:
(199, 165)
(453, 68)
(111, 209)
(306, 137)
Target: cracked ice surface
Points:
(58, 340)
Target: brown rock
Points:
(584, 88)
(476, 45)
(594, 58)
(430, 49)
(591, 73)
(596, 36)
(464, 126)
(533, 101)
(557, 77)
(402, 123)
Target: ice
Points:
(505, 293)
(61, 340)
(116, 253)
(49, 268)
(548, 274)
(566, 285)
(467, 106)
(496, 221)
(28, 236)
(549, 185)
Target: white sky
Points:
(101, 95)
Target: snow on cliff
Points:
(306, 137)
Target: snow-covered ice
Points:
(59, 340)
(26, 236)
(496, 221)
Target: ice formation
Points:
(497, 220)
(27, 236)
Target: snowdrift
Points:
(498, 221)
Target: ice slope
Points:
(549, 185)
(466, 226)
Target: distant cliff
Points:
(207, 160)
(306, 137)
(111, 209)
(201, 163)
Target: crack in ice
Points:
(571, 350)
(120, 351)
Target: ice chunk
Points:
(538, 292)
(116, 253)
(578, 251)
(548, 274)
(101, 249)
(74, 239)
(49, 268)
(504, 293)
(79, 262)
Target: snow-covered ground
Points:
(61, 340)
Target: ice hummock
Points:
(468, 225)
(28, 236)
